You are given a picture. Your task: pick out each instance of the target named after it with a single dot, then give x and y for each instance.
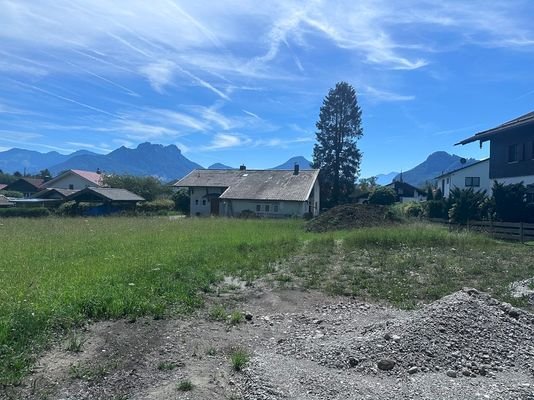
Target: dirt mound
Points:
(350, 216)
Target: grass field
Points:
(59, 273)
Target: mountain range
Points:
(436, 164)
(168, 163)
(164, 162)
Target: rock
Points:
(353, 362)
(248, 316)
(385, 364)
(451, 373)
(413, 370)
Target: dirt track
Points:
(304, 345)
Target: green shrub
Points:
(466, 205)
(436, 209)
(383, 196)
(509, 201)
(67, 209)
(24, 212)
(182, 201)
(409, 209)
(12, 193)
(156, 206)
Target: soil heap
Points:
(350, 216)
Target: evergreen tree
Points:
(336, 153)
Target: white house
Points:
(474, 176)
(267, 193)
(75, 179)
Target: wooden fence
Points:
(500, 230)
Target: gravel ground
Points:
(303, 345)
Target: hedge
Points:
(24, 212)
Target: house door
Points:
(214, 206)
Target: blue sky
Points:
(242, 81)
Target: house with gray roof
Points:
(266, 193)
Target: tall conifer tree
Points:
(336, 153)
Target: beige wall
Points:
(200, 204)
(76, 181)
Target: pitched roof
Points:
(93, 177)
(461, 168)
(48, 191)
(4, 201)
(36, 183)
(110, 194)
(523, 120)
(255, 184)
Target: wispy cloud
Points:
(377, 95)
(159, 74)
(227, 140)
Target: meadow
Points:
(59, 273)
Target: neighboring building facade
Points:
(266, 193)
(75, 179)
(511, 150)
(26, 186)
(475, 176)
(406, 192)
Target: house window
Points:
(196, 202)
(267, 207)
(258, 208)
(516, 152)
(472, 181)
(204, 202)
(192, 191)
(275, 208)
(71, 187)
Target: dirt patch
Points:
(302, 345)
(350, 216)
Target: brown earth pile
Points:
(351, 216)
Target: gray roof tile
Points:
(255, 184)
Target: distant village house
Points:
(266, 193)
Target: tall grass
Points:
(57, 273)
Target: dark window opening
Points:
(71, 187)
(258, 208)
(267, 207)
(472, 181)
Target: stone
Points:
(413, 370)
(451, 373)
(385, 364)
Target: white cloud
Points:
(377, 95)
(227, 140)
(159, 74)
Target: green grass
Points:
(185, 386)
(239, 358)
(58, 274)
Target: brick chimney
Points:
(296, 169)
(242, 167)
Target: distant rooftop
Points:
(255, 184)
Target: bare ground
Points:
(303, 345)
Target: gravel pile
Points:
(466, 345)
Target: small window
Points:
(275, 208)
(71, 187)
(267, 207)
(258, 208)
(192, 191)
(196, 202)
(448, 180)
(472, 181)
(516, 152)
(204, 202)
